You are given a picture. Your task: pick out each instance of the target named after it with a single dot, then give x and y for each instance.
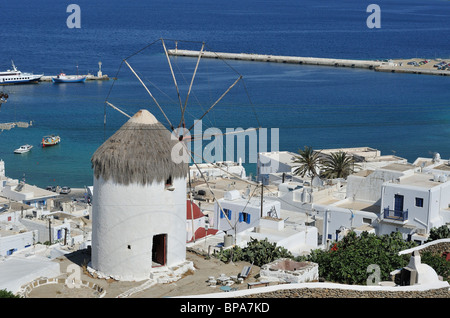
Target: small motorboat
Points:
(50, 140)
(23, 149)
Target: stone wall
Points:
(437, 248)
(346, 293)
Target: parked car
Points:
(51, 188)
(440, 64)
(65, 190)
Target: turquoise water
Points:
(323, 107)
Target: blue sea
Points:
(323, 107)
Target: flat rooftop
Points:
(422, 180)
(443, 167)
(360, 206)
(367, 153)
(285, 157)
(401, 167)
(38, 193)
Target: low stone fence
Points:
(26, 290)
(437, 248)
(348, 293)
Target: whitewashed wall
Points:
(17, 241)
(124, 221)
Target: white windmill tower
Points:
(139, 205)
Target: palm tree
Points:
(338, 165)
(308, 161)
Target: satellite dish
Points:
(317, 182)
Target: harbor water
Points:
(323, 107)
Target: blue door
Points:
(398, 202)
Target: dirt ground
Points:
(192, 283)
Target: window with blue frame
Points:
(11, 251)
(244, 217)
(419, 202)
(226, 212)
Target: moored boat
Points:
(63, 78)
(15, 76)
(50, 140)
(23, 149)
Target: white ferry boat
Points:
(15, 76)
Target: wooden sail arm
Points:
(148, 91)
(116, 108)
(173, 75)
(190, 86)
(217, 101)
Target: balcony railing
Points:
(395, 215)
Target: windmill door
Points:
(159, 250)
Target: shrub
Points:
(7, 294)
(437, 233)
(347, 260)
(258, 252)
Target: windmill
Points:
(179, 128)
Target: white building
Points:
(139, 205)
(218, 169)
(275, 162)
(235, 213)
(242, 218)
(22, 192)
(14, 237)
(48, 227)
(197, 223)
(414, 204)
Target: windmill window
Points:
(169, 184)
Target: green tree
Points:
(307, 162)
(437, 233)
(347, 261)
(337, 165)
(258, 252)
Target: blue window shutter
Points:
(221, 214)
(229, 214)
(248, 218)
(241, 217)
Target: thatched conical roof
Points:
(140, 151)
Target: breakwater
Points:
(48, 78)
(394, 66)
(280, 59)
